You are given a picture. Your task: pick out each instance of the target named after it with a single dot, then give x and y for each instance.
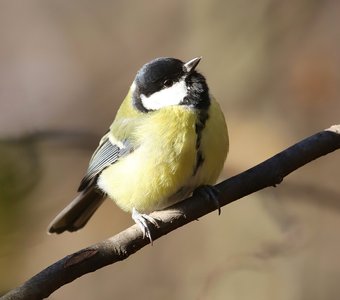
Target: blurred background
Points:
(65, 67)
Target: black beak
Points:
(191, 64)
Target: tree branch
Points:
(119, 247)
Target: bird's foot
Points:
(142, 221)
(210, 192)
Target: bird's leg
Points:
(141, 221)
(210, 192)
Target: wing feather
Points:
(105, 155)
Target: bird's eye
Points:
(168, 83)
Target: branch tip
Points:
(334, 128)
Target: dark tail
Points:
(75, 215)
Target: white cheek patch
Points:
(167, 97)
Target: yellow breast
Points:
(159, 167)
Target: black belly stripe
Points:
(199, 161)
(202, 118)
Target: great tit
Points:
(169, 137)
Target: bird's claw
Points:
(209, 192)
(141, 220)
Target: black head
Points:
(168, 81)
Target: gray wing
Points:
(105, 155)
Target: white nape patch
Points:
(133, 87)
(172, 95)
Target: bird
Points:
(169, 139)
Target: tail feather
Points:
(75, 215)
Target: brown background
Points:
(274, 65)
